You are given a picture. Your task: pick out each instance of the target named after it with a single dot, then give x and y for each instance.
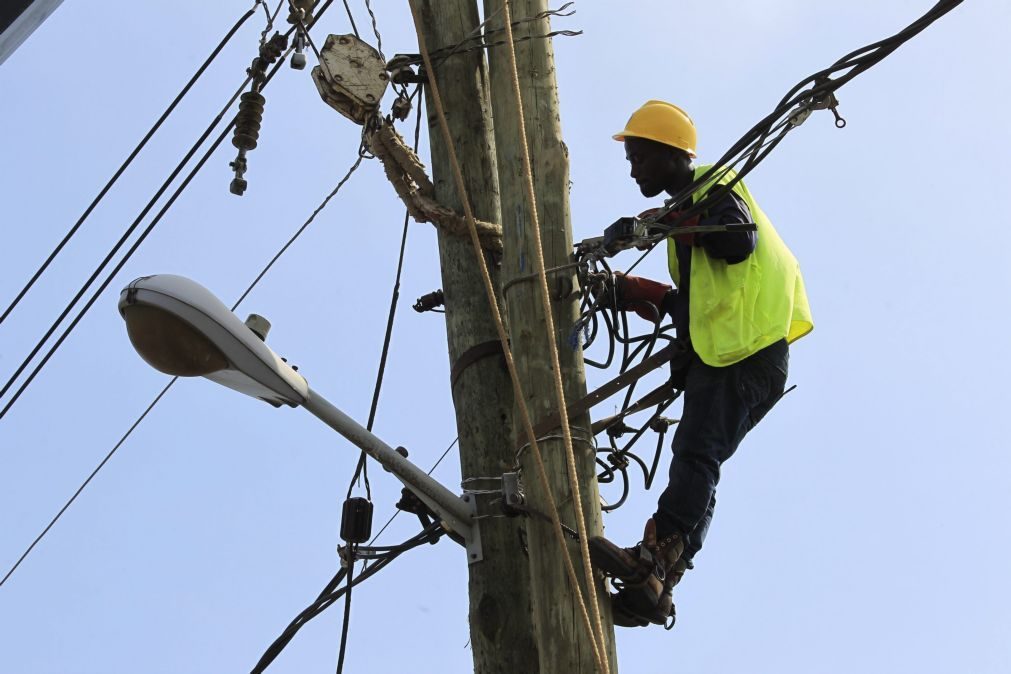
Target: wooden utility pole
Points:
(558, 623)
(501, 638)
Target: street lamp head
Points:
(180, 328)
(169, 344)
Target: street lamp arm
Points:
(452, 509)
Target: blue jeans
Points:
(721, 404)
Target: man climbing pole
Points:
(739, 301)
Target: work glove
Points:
(647, 298)
(690, 239)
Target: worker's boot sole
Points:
(622, 616)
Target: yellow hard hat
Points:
(663, 122)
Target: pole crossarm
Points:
(407, 174)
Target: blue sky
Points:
(861, 527)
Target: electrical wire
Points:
(375, 30)
(77, 319)
(129, 160)
(351, 18)
(331, 593)
(87, 481)
(361, 469)
(789, 114)
(154, 402)
(397, 512)
(747, 152)
(52, 329)
(271, 18)
(352, 552)
(157, 398)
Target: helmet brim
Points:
(622, 135)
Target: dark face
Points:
(656, 167)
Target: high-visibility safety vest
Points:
(738, 309)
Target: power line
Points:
(375, 29)
(119, 172)
(87, 481)
(66, 311)
(331, 593)
(235, 306)
(815, 92)
(362, 467)
(120, 264)
(398, 511)
(351, 18)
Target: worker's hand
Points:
(641, 295)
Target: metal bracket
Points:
(351, 77)
(472, 538)
(512, 492)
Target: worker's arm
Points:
(733, 247)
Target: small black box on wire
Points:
(356, 520)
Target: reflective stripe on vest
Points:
(738, 309)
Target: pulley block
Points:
(351, 77)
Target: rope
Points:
(503, 337)
(549, 323)
(406, 173)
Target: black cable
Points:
(351, 18)
(797, 101)
(136, 244)
(298, 232)
(115, 270)
(361, 469)
(87, 481)
(375, 30)
(430, 471)
(119, 172)
(235, 306)
(165, 390)
(347, 609)
(330, 594)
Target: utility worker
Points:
(739, 302)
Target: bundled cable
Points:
(815, 92)
(332, 591)
(598, 312)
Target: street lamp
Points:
(180, 328)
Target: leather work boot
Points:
(646, 575)
(629, 565)
(625, 615)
